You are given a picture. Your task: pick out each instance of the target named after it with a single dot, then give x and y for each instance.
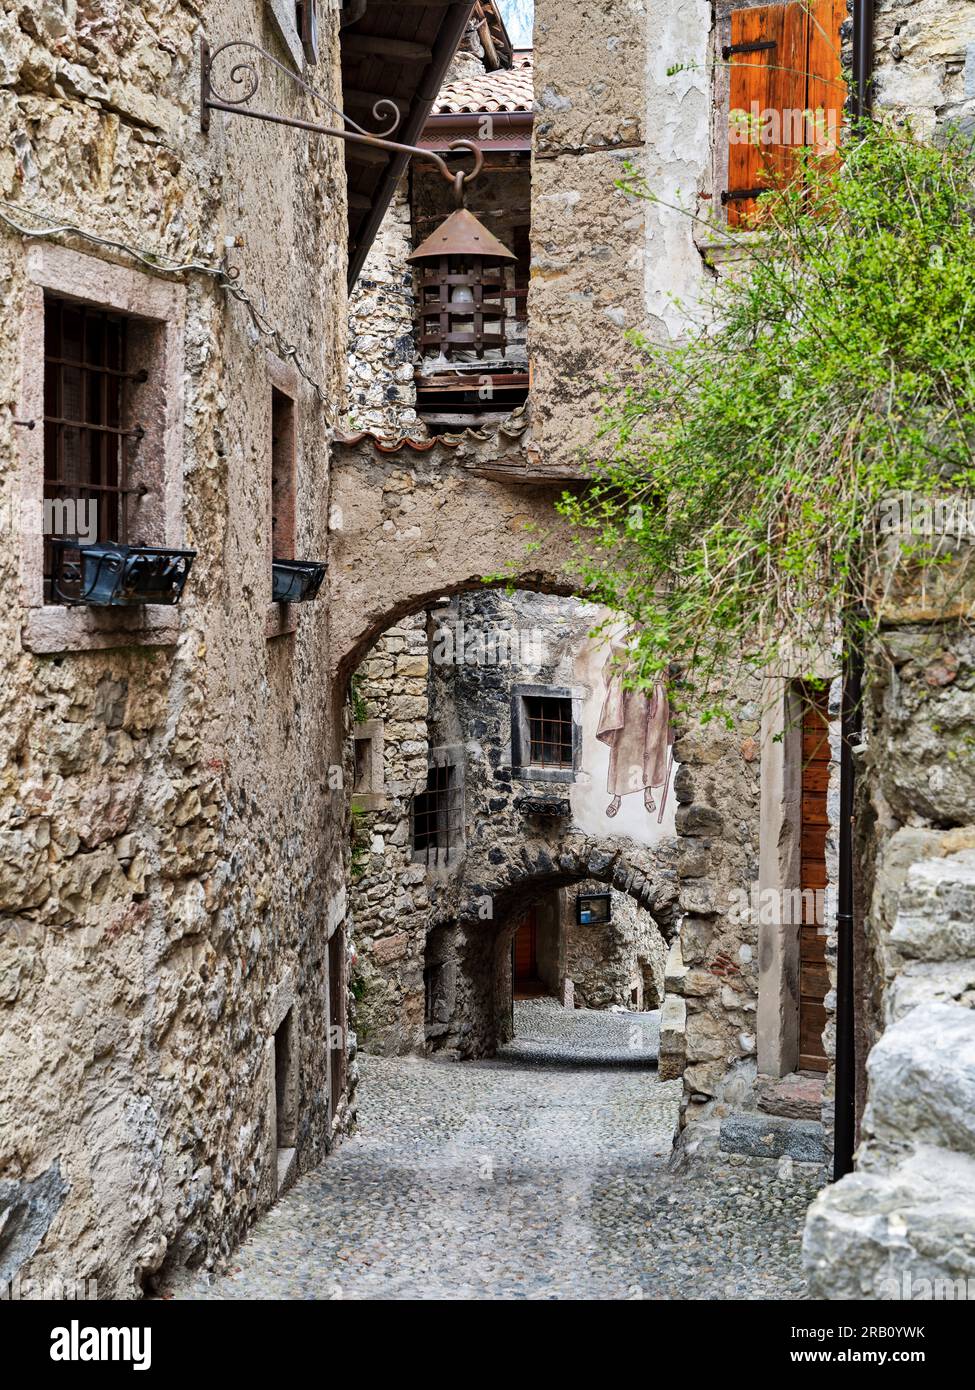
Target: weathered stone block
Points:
(700, 820)
(770, 1136)
(922, 1079)
(936, 918)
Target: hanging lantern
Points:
(462, 290)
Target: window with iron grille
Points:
(438, 813)
(87, 444)
(549, 731)
(546, 735)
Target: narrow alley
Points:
(533, 1176)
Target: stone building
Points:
(177, 851)
(756, 1049)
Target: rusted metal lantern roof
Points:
(462, 235)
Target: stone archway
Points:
(416, 522)
(489, 914)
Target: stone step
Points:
(795, 1097)
(772, 1136)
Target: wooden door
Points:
(813, 978)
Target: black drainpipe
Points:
(863, 16)
(844, 1136)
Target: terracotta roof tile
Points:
(508, 89)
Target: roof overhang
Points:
(401, 51)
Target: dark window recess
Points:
(306, 22)
(282, 476)
(549, 731)
(437, 813)
(363, 765)
(431, 977)
(284, 1083)
(86, 442)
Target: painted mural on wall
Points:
(625, 786)
(635, 726)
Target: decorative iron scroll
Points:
(245, 77)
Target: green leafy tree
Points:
(740, 502)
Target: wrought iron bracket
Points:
(760, 46)
(246, 80)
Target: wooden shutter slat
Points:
(788, 96)
(825, 88)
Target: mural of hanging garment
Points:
(636, 727)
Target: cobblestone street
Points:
(516, 1179)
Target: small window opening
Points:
(282, 476)
(549, 731)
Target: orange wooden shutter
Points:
(825, 87)
(785, 64)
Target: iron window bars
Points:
(593, 909)
(85, 440)
(550, 741)
(438, 813)
(86, 455)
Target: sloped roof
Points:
(506, 89)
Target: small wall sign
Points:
(593, 909)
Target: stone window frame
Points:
(521, 767)
(371, 795)
(158, 306)
(283, 17)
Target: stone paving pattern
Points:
(547, 1034)
(498, 1180)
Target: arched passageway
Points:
(468, 965)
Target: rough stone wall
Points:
(899, 1215)
(388, 895)
(925, 62)
(621, 962)
(587, 252)
(712, 969)
(171, 851)
(382, 346)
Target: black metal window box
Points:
(296, 581)
(593, 909)
(107, 575)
